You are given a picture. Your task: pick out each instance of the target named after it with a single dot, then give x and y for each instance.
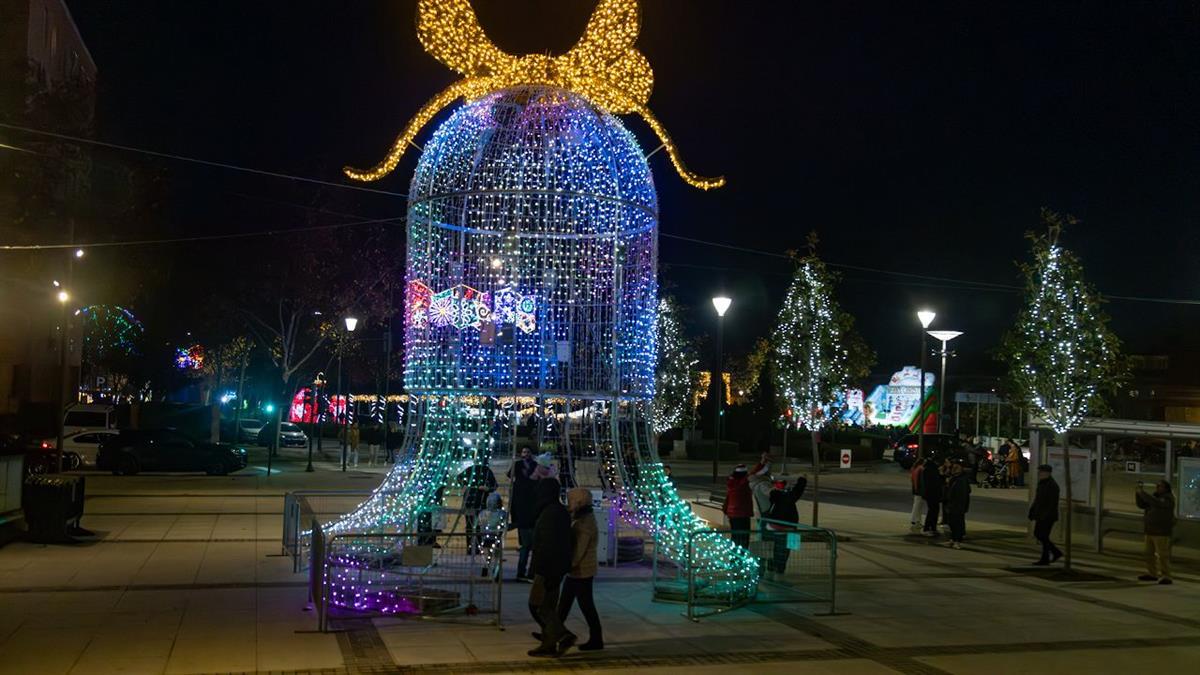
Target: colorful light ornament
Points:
(603, 66)
(189, 358)
(531, 320)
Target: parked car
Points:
(135, 450)
(247, 431)
(937, 446)
(89, 417)
(290, 436)
(83, 445)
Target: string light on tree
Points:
(676, 376)
(1061, 356)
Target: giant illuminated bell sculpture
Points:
(531, 290)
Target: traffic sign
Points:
(845, 463)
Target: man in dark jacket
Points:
(1044, 513)
(551, 561)
(1158, 519)
(958, 501)
(932, 488)
(477, 482)
(522, 505)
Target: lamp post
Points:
(925, 317)
(945, 336)
(318, 383)
(351, 324)
(721, 303)
(61, 399)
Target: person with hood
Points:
(958, 501)
(739, 504)
(578, 584)
(477, 482)
(1158, 520)
(551, 561)
(783, 511)
(1044, 513)
(932, 489)
(522, 504)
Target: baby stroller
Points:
(995, 473)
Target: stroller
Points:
(995, 473)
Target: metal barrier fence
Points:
(430, 574)
(796, 563)
(302, 506)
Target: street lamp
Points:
(945, 336)
(344, 400)
(315, 420)
(78, 253)
(720, 303)
(926, 317)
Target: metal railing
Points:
(428, 574)
(302, 506)
(796, 563)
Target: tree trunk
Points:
(1062, 440)
(816, 494)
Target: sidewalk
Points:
(186, 577)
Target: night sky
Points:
(914, 137)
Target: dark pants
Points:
(581, 589)
(931, 515)
(524, 543)
(543, 605)
(740, 530)
(958, 525)
(473, 538)
(1041, 532)
(781, 552)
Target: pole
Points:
(720, 380)
(1066, 454)
(315, 413)
(344, 407)
(786, 427)
(921, 401)
(816, 501)
(942, 392)
(61, 399)
(237, 412)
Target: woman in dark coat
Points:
(523, 506)
(783, 510)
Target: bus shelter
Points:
(1110, 458)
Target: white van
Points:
(89, 417)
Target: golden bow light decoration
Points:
(603, 66)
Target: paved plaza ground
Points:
(186, 576)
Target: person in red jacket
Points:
(739, 504)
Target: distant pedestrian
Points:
(477, 482)
(918, 499)
(492, 522)
(352, 440)
(1158, 521)
(739, 504)
(932, 489)
(783, 513)
(523, 508)
(578, 584)
(551, 562)
(957, 503)
(1016, 477)
(1044, 513)
(761, 485)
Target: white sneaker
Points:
(957, 546)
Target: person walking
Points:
(551, 561)
(932, 490)
(1044, 513)
(918, 499)
(1016, 478)
(578, 584)
(477, 482)
(354, 437)
(739, 504)
(522, 505)
(1158, 520)
(958, 501)
(783, 515)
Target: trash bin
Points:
(53, 505)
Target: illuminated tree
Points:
(811, 359)
(1061, 356)
(676, 376)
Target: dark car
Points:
(937, 447)
(135, 450)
